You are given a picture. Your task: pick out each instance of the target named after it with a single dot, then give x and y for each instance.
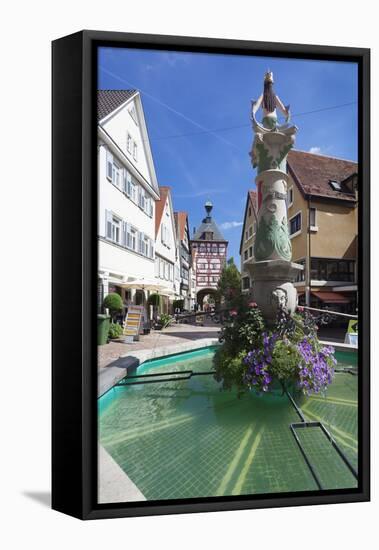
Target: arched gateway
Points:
(209, 250)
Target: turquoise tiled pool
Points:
(188, 439)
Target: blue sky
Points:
(197, 109)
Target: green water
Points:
(188, 439)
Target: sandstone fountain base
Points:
(273, 287)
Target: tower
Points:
(209, 252)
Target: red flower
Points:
(233, 312)
(253, 304)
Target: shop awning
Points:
(146, 284)
(331, 297)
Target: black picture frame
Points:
(74, 412)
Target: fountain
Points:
(271, 269)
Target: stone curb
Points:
(110, 376)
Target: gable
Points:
(251, 200)
(126, 126)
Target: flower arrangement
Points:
(256, 357)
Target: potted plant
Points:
(113, 302)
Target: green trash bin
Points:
(103, 322)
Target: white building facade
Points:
(127, 194)
(167, 262)
(187, 286)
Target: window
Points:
(133, 114)
(127, 183)
(335, 185)
(301, 274)
(109, 165)
(116, 230)
(131, 237)
(312, 217)
(141, 198)
(249, 211)
(115, 172)
(245, 255)
(146, 246)
(324, 269)
(134, 191)
(135, 151)
(151, 249)
(165, 235)
(246, 235)
(143, 244)
(250, 231)
(129, 143)
(116, 175)
(254, 228)
(290, 196)
(245, 283)
(250, 251)
(295, 224)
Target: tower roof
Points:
(208, 227)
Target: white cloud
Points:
(315, 150)
(230, 225)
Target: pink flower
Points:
(253, 304)
(300, 308)
(233, 312)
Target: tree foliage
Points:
(229, 285)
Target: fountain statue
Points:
(271, 269)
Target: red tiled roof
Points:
(110, 100)
(160, 205)
(313, 174)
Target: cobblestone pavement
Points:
(170, 336)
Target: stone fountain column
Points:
(272, 270)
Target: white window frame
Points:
(313, 227)
(116, 227)
(129, 142)
(117, 174)
(131, 237)
(133, 113)
(134, 191)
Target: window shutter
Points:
(109, 165)
(124, 181)
(151, 249)
(140, 242)
(151, 208)
(124, 233)
(128, 183)
(108, 224)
